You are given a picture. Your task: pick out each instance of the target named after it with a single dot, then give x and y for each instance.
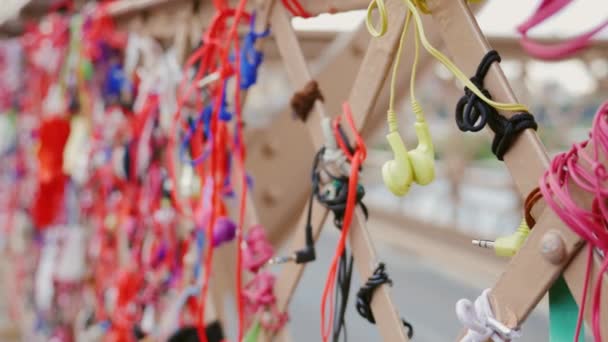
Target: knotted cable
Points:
(472, 113)
(366, 293)
(303, 100)
(337, 203)
(529, 203)
(477, 317)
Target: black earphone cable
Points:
(472, 113)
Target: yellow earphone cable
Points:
(412, 5)
(421, 4)
(379, 5)
(416, 108)
(391, 115)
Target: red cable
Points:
(330, 283)
(242, 205)
(341, 143)
(296, 8)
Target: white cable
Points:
(333, 157)
(479, 320)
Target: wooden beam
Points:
(125, 8)
(316, 7)
(314, 42)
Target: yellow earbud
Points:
(397, 173)
(507, 246)
(423, 157)
(417, 165)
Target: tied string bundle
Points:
(304, 100)
(44, 50)
(545, 10)
(336, 199)
(366, 293)
(472, 114)
(355, 158)
(584, 167)
(533, 197)
(214, 66)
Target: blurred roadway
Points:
(424, 293)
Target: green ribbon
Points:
(253, 333)
(563, 313)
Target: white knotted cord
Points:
(334, 160)
(479, 319)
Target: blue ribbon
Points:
(115, 82)
(228, 191)
(204, 119)
(105, 325)
(250, 57)
(188, 136)
(224, 114)
(200, 243)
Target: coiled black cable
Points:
(472, 113)
(345, 271)
(366, 292)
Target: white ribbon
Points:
(478, 318)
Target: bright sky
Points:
(498, 17)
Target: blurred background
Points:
(425, 237)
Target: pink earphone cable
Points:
(578, 167)
(559, 51)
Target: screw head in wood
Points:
(552, 247)
(269, 149)
(357, 50)
(270, 197)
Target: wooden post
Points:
(529, 275)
